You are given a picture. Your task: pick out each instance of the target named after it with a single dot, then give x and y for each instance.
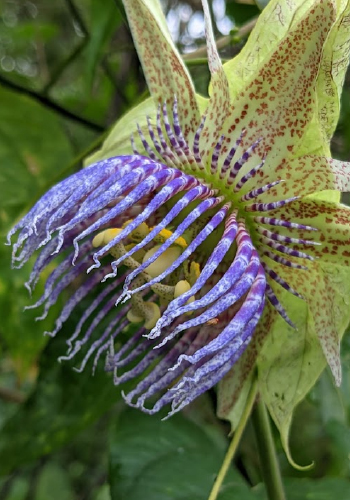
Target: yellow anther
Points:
(104, 237)
(140, 232)
(213, 321)
(163, 262)
(165, 234)
(126, 223)
(181, 287)
(143, 311)
(195, 272)
(138, 255)
(152, 315)
(134, 318)
(98, 240)
(110, 234)
(181, 242)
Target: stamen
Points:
(192, 217)
(162, 262)
(202, 236)
(227, 299)
(197, 193)
(246, 312)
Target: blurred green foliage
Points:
(68, 70)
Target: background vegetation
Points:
(68, 70)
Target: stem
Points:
(50, 104)
(222, 41)
(234, 443)
(267, 453)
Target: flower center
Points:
(157, 264)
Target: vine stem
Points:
(235, 442)
(267, 452)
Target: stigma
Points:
(177, 283)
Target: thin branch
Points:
(267, 453)
(223, 41)
(49, 103)
(74, 12)
(77, 17)
(235, 442)
(63, 65)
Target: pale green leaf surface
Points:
(167, 460)
(289, 364)
(278, 110)
(292, 360)
(273, 24)
(63, 403)
(335, 61)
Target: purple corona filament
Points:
(158, 243)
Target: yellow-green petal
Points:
(278, 103)
(292, 360)
(163, 67)
(277, 18)
(219, 102)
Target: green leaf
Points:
(34, 149)
(63, 403)
(167, 460)
(20, 333)
(104, 21)
(54, 483)
(323, 489)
